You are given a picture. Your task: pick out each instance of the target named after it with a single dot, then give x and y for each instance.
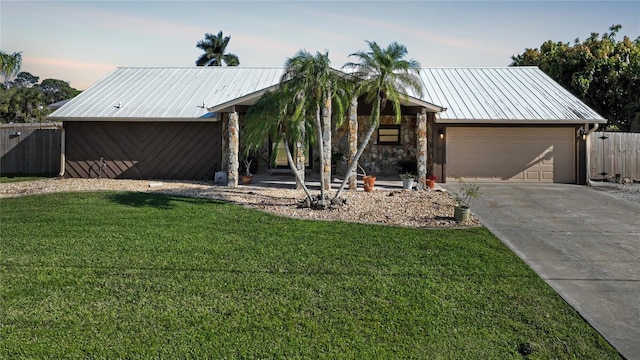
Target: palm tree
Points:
(272, 116)
(383, 75)
(10, 65)
(315, 85)
(214, 47)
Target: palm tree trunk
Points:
(326, 141)
(353, 140)
(321, 151)
(293, 167)
(299, 153)
(363, 145)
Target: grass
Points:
(134, 275)
(19, 177)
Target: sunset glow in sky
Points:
(82, 41)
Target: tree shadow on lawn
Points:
(158, 201)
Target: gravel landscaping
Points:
(424, 209)
(628, 191)
(427, 209)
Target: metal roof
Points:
(165, 93)
(506, 94)
(466, 95)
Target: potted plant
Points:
(465, 194)
(369, 181)
(407, 180)
(248, 176)
(431, 181)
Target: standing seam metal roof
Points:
(166, 93)
(510, 94)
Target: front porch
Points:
(284, 179)
(394, 148)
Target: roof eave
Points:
(412, 101)
(133, 119)
(522, 122)
(248, 99)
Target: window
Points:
(389, 135)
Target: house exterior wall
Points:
(143, 150)
(380, 159)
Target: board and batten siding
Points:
(619, 153)
(30, 149)
(143, 150)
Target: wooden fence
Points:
(614, 154)
(30, 148)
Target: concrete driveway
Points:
(582, 241)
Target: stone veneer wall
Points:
(379, 159)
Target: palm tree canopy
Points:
(307, 76)
(314, 81)
(214, 47)
(272, 116)
(10, 64)
(384, 75)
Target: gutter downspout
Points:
(62, 152)
(587, 148)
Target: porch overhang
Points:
(246, 100)
(415, 102)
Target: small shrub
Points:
(407, 175)
(467, 193)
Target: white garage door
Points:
(511, 154)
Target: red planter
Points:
(369, 181)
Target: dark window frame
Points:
(389, 142)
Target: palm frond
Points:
(214, 47)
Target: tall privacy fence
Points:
(615, 155)
(30, 148)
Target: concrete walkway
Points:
(582, 241)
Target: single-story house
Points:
(478, 124)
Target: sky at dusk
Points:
(82, 41)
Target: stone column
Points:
(224, 118)
(353, 141)
(299, 155)
(421, 149)
(430, 121)
(234, 142)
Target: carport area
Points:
(582, 241)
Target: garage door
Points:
(511, 154)
(143, 150)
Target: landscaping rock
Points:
(421, 209)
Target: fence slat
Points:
(615, 154)
(30, 148)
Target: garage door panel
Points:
(511, 154)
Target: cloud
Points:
(68, 64)
(464, 43)
(110, 16)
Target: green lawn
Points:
(133, 275)
(18, 177)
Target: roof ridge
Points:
(200, 67)
(281, 67)
(480, 67)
